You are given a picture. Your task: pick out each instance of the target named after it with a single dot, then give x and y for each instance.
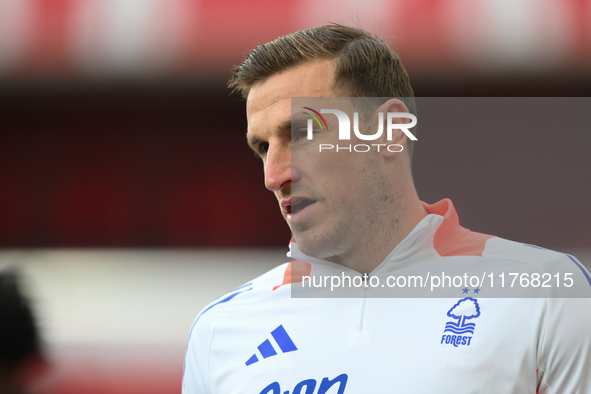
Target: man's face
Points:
(328, 199)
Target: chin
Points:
(306, 243)
(315, 246)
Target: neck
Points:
(392, 229)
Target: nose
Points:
(278, 167)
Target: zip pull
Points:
(360, 318)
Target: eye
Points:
(263, 148)
(299, 134)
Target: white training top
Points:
(259, 339)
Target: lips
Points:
(296, 204)
(295, 208)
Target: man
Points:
(359, 214)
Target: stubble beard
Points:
(360, 226)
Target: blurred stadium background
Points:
(128, 197)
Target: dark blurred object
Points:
(21, 362)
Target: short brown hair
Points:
(365, 66)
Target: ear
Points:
(398, 142)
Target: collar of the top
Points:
(438, 233)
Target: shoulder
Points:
(535, 271)
(564, 355)
(250, 294)
(517, 252)
(196, 370)
(241, 297)
(235, 310)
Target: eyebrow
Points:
(252, 142)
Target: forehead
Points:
(311, 79)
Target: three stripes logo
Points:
(266, 349)
(465, 309)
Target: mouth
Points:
(295, 208)
(298, 206)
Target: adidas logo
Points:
(267, 349)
